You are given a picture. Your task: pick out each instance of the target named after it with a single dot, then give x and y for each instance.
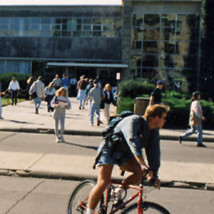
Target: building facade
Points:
(146, 39)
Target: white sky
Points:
(60, 2)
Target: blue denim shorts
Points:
(114, 157)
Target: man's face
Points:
(160, 86)
(57, 76)
(160, 120)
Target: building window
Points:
(61, 27)
(164, 45)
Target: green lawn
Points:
(8, 101)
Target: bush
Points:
(126, 104)
(6, 78)
(179, 103)
(132, 88)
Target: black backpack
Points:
(108, 131)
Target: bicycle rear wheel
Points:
(148, 208)
(79, 198)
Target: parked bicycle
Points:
(79, 200)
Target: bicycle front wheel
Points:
(148, 208)
(79, 198)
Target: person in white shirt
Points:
(14, 88)
(195, 122)
(73, 87)
(39, 87)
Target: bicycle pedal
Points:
(117, 203)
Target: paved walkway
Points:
(23, 118)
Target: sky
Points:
(60, 2)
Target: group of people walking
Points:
(96, 96)
(55, 94)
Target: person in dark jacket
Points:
(156, 96)
(137, 134)
(109, 98)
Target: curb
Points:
(92, 133)
(70, 176)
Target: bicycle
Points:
(79, 200)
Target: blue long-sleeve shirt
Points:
(138, 135)
(65, 82)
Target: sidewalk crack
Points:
(11, 135)
(25, 196)
(36, 162)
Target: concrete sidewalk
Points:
(22, 118)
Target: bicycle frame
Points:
(139, 194)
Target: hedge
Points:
(6, 78)
(178, 116)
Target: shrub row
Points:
(6, 78)
(178, 116)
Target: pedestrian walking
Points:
(95, 94)
(88, 88)
(195, 121)
(108, 99)
(73, 87)
(29, 83)
(81, 96)
(1, 93)
(14, 88)
(156, 96)
(39, 88)
(57, 82)
(60, 103)
(65, 83)
(49, 94)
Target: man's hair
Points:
(155, 110)
(39, 77)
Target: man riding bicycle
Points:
(132, 133)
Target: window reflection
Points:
(137, 20)
(150, 47)
(151, 33)
(150, 60)
(137, 45)
(167, 47)
(136, 60)
(168, 20)
(166, 42)
(151, 20)
(137, 34)
(167, 34)
(46, 26)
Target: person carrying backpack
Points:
(81, 96)
(124, 148)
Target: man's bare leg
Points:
(104, 176)
(132, 166)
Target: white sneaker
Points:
(57, 139)
(62, 138)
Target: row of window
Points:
(166, 20)
(164, 61)
(165, 47)
(19, 26)
(171, 34)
